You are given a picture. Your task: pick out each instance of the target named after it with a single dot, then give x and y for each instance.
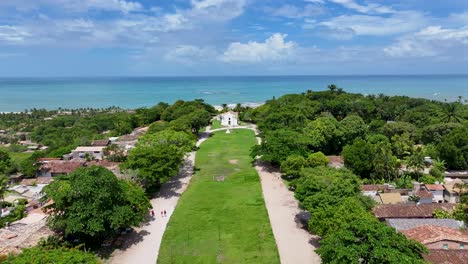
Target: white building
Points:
(229, 119)
(94, 152)
(437, 191)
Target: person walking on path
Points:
(165, 213)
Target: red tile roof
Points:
(409, 210)
(62, 166)
(423, 194)
(373, 187)
(428, 234)
(100, 143)
(443, 256)
(435, 187)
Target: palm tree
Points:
(450, 113)
(332, 87)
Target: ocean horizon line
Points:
(234, 76)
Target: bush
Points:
(317, 159)
(293, 165)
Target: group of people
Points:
(163, 213)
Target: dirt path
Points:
(295, 244)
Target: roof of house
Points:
(104, 163)
(435, 187)
(409, 223)
(423, 193)
(230, 113)
(100, 143)
(428, 234)
(443, 256)
(374, 187)
(87, 149)
(38, 180)
(409, 210)
(62, 166)
(390, 198)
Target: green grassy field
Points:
(221, 219)
(216, 124)
(18, 156)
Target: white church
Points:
(229, 119)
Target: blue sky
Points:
(232, 37)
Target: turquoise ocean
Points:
(18, 94)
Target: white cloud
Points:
(123, 6)
(13, 34)
(431, 41)
(291, 11)
(188, 54)
(275, 48)
(367, 25)
(221, 10)
(367, 9)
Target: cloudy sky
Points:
(232, 37)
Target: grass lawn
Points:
(216, 124)
(17, 157)
(216, 218)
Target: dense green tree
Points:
(5, 161)
(320, 181)
(293, 166)
(415, 161)
(402, 145)
(279, 144)
(91, 204)
(352, 127)
(38, 255)
(451, 112)
(3, 188)
(325, 134)
(454, 149)
(157, 157)
(436, 133)
(317, 159)
(399, 128)
(366, 240)
(359, 158)
(385, 164)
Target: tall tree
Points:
(92, 204)
(157, 157)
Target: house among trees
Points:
(53, 168)
(100, 143)
(229, 119)
(93, 152)
(385, 211)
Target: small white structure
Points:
(437, 191)
(229, 119)
(95, 152)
